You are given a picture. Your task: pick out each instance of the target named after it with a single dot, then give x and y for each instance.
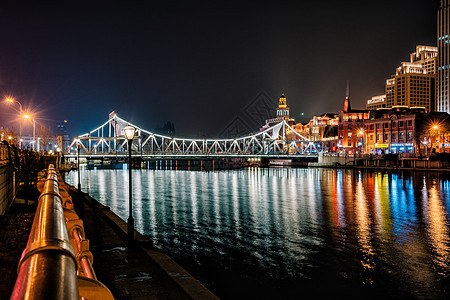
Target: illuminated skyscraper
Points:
(442, 103)
(414, 82)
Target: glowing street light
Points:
(129, 132)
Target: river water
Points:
(291, 233)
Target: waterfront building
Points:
(376, 102)
(433, 132)
(414, 82)
(324, 129)
(406, 130)
(392, 131)
(351, 129)
(443, 61)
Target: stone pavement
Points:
(139, 272)
(15, 228)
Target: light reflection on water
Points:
(290, 231)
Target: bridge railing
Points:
(49, 264)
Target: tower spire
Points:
(347, 91)
(347, 106)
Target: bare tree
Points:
(46, 136)
(10, 136)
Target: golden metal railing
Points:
(50, 268)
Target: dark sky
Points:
(198, 64)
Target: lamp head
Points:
(129, 132)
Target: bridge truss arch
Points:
(108, 139)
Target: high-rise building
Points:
(442, 101)
(427, 57)
(414, 82)
(63, 135)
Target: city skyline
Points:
(199, 65)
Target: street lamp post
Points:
(20, 119)
(129, 132)
(34, 129)
(58, 159)
(361, 142)
(78, 167)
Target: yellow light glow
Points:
(9, 100)
(26, 116)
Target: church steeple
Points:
(347, 105)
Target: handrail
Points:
(50, 268)
(47, 268)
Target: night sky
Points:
(198, 64)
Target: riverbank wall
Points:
(388, 162)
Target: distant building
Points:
(167, 129)
(283, 111)
(427, 57)
(443, 61)
(324, 129)
(414, 82)
(376, 102)
(62, 134)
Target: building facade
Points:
(391, 131)
(351, 129)
(443, 62)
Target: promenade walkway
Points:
(140, 272)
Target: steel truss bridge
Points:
(107, 140)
